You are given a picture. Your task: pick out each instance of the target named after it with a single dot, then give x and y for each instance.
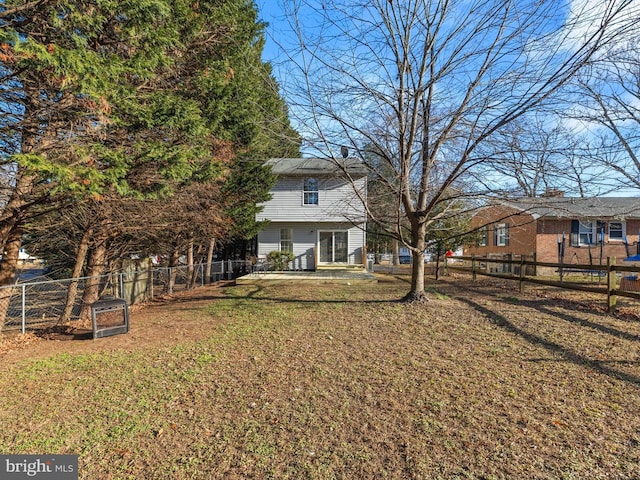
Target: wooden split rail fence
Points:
(612, 280)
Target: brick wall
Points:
(527, 235)
(522, 232)
(547, 243)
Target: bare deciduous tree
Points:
(427, 84)
(609, 111)
(540, 156)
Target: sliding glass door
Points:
(334, 247)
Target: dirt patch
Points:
(148, 327)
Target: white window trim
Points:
(305, 192)
(502, 234)
(289, 240)
(333, 247)
(591, 231)
(623, 230)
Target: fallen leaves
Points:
(17, 342)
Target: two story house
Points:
(316, 211)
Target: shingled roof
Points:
(618, 208)
(316, 166)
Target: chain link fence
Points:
(41, 302)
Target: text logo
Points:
(49, 467)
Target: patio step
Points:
(348, 268)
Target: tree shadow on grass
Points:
(257, 291)
(543, 306)
(549, 306)
(567, 354)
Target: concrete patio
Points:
(320, 276)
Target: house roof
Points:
(568, 207)
(316, 166)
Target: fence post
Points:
(611, 284)
(230, 270)
(121, 282)
(473, 267)
(24, 309)
(535, 266)
(150, 280)
(522, 266)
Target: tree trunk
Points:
(13, 214)
(12, 229)
(417, 293)
(199, 261)
(418, 235)
(189, 279)
(13, 217)
(396, 252)
(11, 254)
(174, 258)
(210, 250)
(95, 268)
(72, 292)
(13, 211)
(196, 259)
(8, 268)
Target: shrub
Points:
(280, 260)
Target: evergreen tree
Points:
(126, 106)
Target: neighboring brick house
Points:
(593, 229)
(316, 211)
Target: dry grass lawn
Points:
(323, 382)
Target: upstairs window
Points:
(310, 191)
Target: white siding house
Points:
(316, 211)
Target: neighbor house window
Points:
(583, 232)
(286, 240)
(502, 235)
(483, 239)
(616, 231)
(310, 191)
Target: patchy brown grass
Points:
(340, 382)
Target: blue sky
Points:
(270, 11)
(279, 32)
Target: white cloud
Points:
(586, 17)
